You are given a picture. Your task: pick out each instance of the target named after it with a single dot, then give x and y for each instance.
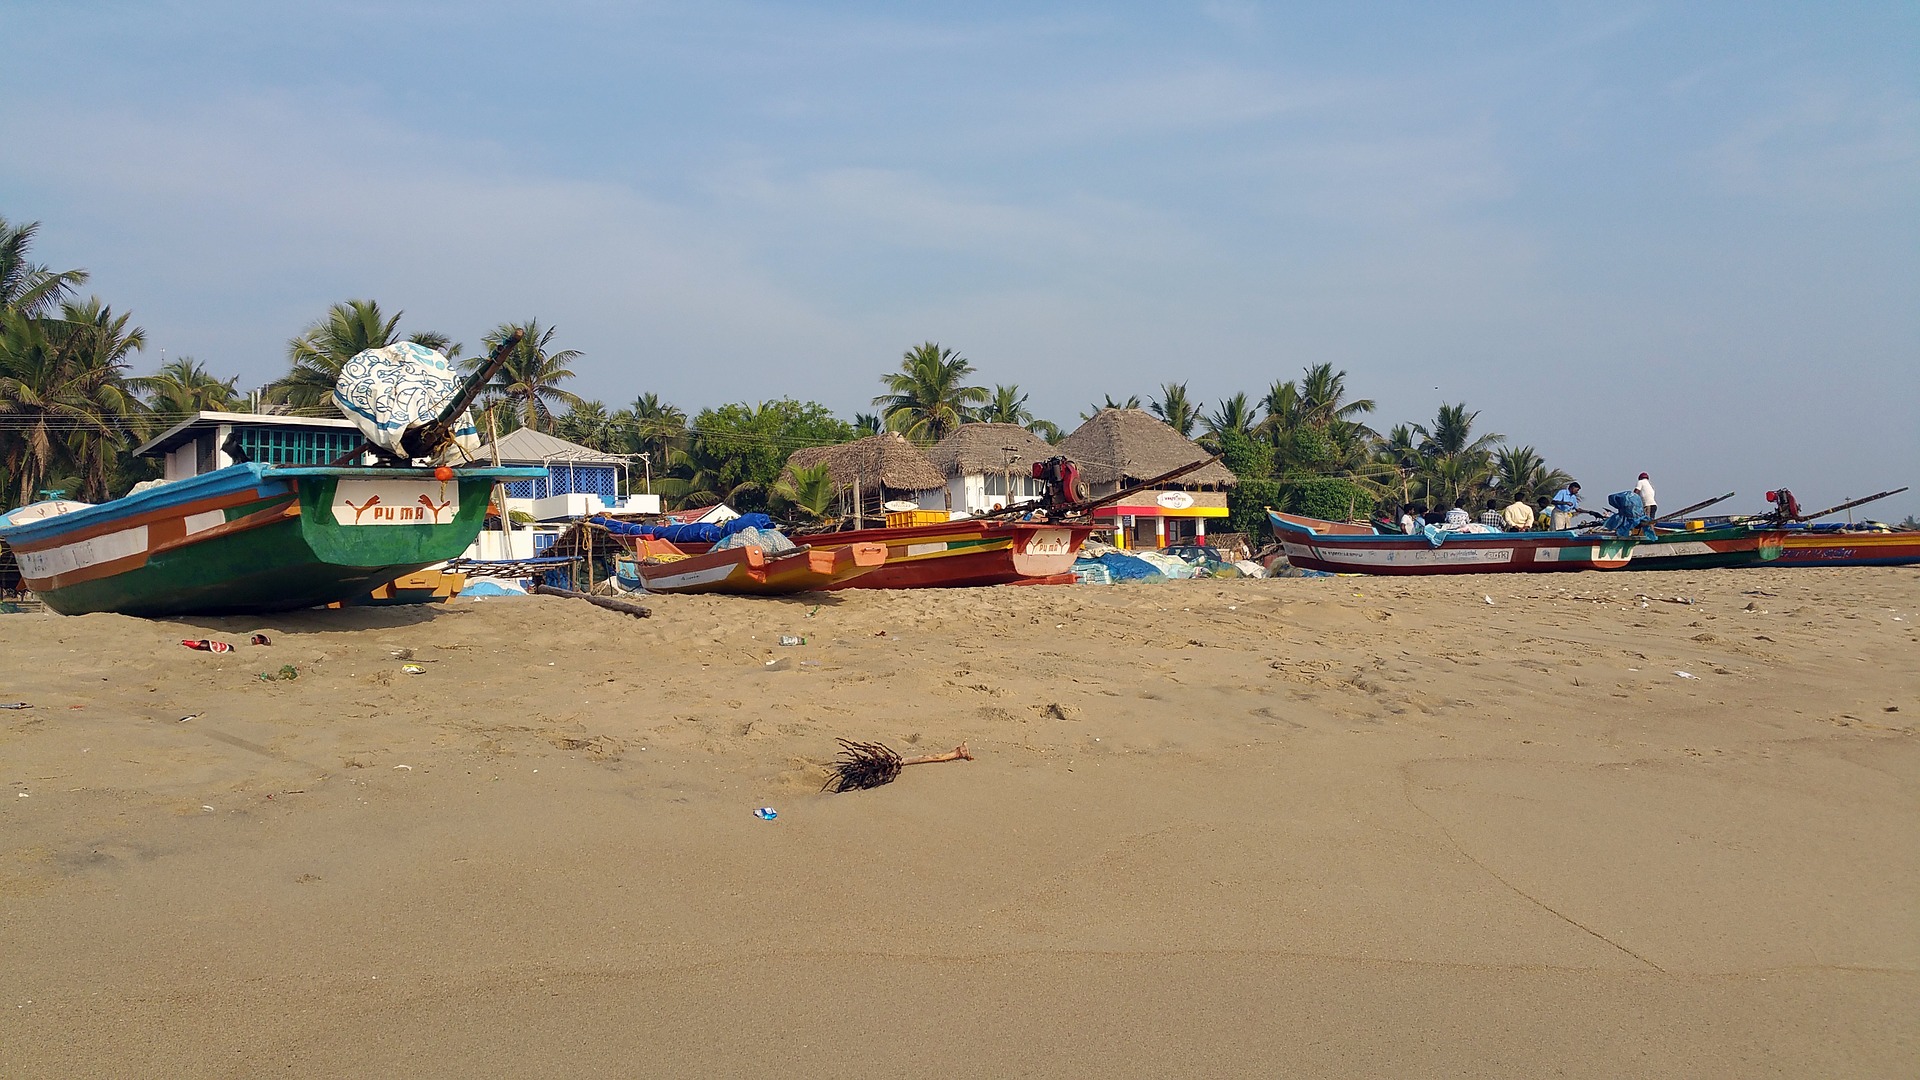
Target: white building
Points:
(988, 466)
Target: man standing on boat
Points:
(1644, 488)
(1566, 502)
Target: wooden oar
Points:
(1696, 506)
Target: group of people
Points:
(1554, 513)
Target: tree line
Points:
(71, 413)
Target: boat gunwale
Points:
(232, 480)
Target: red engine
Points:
(1062, 478)
(1786, 507)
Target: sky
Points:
(1674, 237)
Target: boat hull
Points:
(1849, 549)
(751, 572)
(1311, 544)
(969, 552)
(1709, 549)
(251, 539)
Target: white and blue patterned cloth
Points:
(388, 392)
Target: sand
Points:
(1327, 827)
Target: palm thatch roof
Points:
(983, 448)
(887, 458)
(1129, 445)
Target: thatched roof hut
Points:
(887, 459)
(983, 448)
(1128, 445)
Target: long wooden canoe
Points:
(657, 566)
(1841, 546)
(970, 551)
(1313, 544)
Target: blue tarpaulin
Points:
(687, 534)
(1124, 567)
(1629, 514)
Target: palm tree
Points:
(588, 424)
(1234, 414)
(324, 347)
(530, 378)
(867, 423)
(33, 291)
(1007, 406)
(929, 397)
(183, 387)
(63, 403)
(1174, 409)
(1132, 402)
(1400, 453)
(1520, 473)
(1452, 434)
(1047, 430)
(98, 344)
(1283, 411)
(1323, 397)
(438, 342)
(1455, 463)
(806, 494)
(653, 426)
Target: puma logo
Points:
(430, 505)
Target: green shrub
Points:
(1248, 458)
(1331, 499)
(1247, 507)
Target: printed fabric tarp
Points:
(699, 533)
(390, 391)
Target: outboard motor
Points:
(1062, 478)
(1785, 506)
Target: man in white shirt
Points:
(1644, 489)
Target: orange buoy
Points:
(442, 473)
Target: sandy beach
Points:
(1320, 827)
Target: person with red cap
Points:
(1644, 489)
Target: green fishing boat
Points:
(250, 538)
(258, 537)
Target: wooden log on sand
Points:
(624, 607)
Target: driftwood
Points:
(869, 765)
(624, 607)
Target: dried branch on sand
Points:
(868, 765)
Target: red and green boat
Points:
(970, 551)
(250, 538)
(1850, 545)
(1708, 549)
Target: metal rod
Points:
(1684, 511)
(1850, 505)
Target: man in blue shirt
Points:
(1565, 502)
